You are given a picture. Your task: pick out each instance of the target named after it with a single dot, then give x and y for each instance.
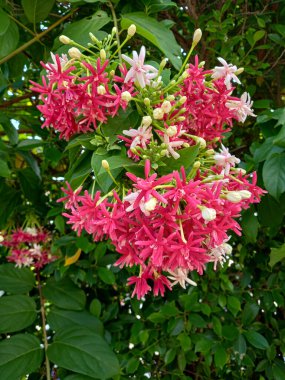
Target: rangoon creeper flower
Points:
(139, 72)
(179, 276)
(218, 254)
(242, 107)
(225, 159)
(170, 145)
(226, 71)
(57, 63)
(140, 136)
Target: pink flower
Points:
(241, 107)
(139, 72)
(141, 286)
(225, 159)
(140, 136)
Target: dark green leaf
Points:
(58, 318)
(170, 355)
(106, 276)
(64, 294)
(276, 255)
(37, 10)
(16, 313)
(95, 307)
(274, 175)
(240, 345)
(249, 313)
(9, 40)
(132, 365)
(4, 169)
(4, 22)
(81, 350)
(256, 340)
(220, 357)
(19, 355)
(250, 225)
(16, 280)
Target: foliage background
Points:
(232, 325)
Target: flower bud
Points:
(103, 54)
(171, 131)
(132, 30)
(233, 196)
(65, 40)
(227, 248)
(240, 170)
(101, 90)
(93, 38)
(158, 114)
(126, 96)
(146, 101)
(1, 238)
(185, 75)
(197, 36)
(202, 142)
(112, 73)
(239, 71)
(146, 121)
(208, 214)
(114, 30)
(150, 204)
(166, 106)
(181, 118)
(74, 53)
(163, 63)
(245, 194)
(170, 98)
(196, 165)
(105, 165)
(201, 64)
(182, 100)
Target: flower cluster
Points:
(28, 248)
(170, 222)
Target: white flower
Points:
(32, 231)
(146, 121)
(36, 250)
(218, 254)
(242, 107)
(179, 276)
(158, 113)
(166, 106)
(225, 159)
(226, 71)
(62, 61)
(171, 130)
(139, 72)
(145, 206)
(170, 145)
(140, 136)
(208, 214)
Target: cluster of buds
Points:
(28, 248)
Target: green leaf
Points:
(274, 174)
(16, 313)
(8, 127)
(29, 144)
(9, 40)
(184, 341)
(37, 10)
(265, 150)
(217, 326)
(240, 345)
(256, 340)
(250, 225)
(258, 35)
(230, 332)
(81, 350)
(170, 355)
(4, 22)
(197, 320)
(4, 169)
(79, 30)
(270, 212)
(155, 32)
(19, 355)
(278, 369)
(77, 376)
(204, 345)
(233, 304)
(132, 365)
(220, 357)
(106, 276)
(64, 294)
(16, 280)
(79, 170)
(276, 255)
(280, 138)
(186, 159)
(249, 313)
(58, 318)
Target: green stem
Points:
(43, 316)
(36, 38)
(115, 20)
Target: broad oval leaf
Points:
(256, 340)
(249, 313)
(274, 175)
(37, 10)
(58, 318)
(4, 22)
(64, 294)
(81, 350)
(9, 40)
(19, 355)
(16, 313)
(16, 280)
(220, 357)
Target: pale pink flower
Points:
(226, 71)
(139, 72)
(225, 159)
(242, 107)
(170, 145)
(218, 254)
(139, 136)
(58, 62)
(179, 276)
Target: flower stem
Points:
(43, 316)
(117, 30)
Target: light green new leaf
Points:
(19, 355)
(16, 280)
(81, 350)
(37, 10)
(155, 32)
(276, 255)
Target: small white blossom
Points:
(179, 276)
(158, 113)
(242, 107)
(101, 90)
(140, 136)
(226, 71)
(166, 106)
(218, 254)
(146, 121)
(139, 72)
(126, 96)
(170, 145)
(225, 159)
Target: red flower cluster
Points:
(166, 225)
(28, 248)
(75, 103)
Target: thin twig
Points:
(117, 30)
